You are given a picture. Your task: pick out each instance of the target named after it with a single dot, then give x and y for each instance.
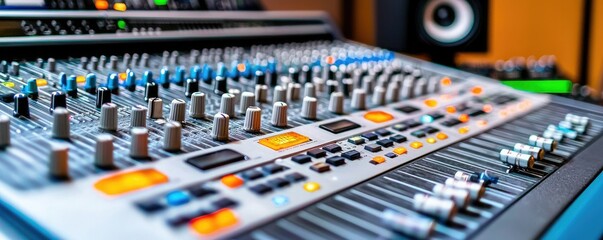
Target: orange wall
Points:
(595, 75)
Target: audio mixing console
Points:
(315, 138)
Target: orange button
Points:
(130, 181)
(463, 130)
(416, 145)
(446, 81)
(378, 160)
(441, 136)
(464, 118)
(487, 108)
(213, 222)
(122, 76)
(378, 116)
(41, 82)
(284, 140)
(241, 67)
(431, 102)
(101, 4)
(80, 79)
(400, 150)
(231, 181)
(477, 90)
(451, 109)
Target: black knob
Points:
(192, 86)
(259, 77)
(307, 73)
(103, 95)
(332, 73)
(57, 99)
(151, 90)
(21, 106)
(294, 75)
(220, 85)
(273, 79)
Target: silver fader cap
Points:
(59, 161)
(279, 114)
(172, 136)
(139, 147)
(138, 116)
(336, 103)
(379, 96)
(103, 155)
(536, 152)
(261, 93)
(293, 90)
(393, 92)
(155, 108)
(548, 144)
(442, 209)
(279, 95)
(220, 127)
(358, 99)
(108, 117)
(4, 131)
(177, 110)
(413, 226)
(420, 87)
(459, 196)
(247, 100)
(197, 107)
(253, 119)
(408, 87)
(516, 159)
(309, 108)
(227, 104)
(60, 123)
(476, 190)
(309, 90)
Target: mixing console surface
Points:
(323, 139)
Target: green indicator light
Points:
(541, 86)
(121, 24)
(160, 2)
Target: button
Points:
(391, 155)
(383, 132)
(431, 102)
(370, 136)
(284, 140)
(450, 122)
(416, 145)
(295, 177)
(224, 203)
(385, 142)
(252, 174)
(377, 160)
(272, 168)
(463, 130)
(215, 159)
(412, 123)
(441, 136)
(418, 133)
(333, 148)
(339, 126)
(317, 153)
(125, 182)
(320, 167)
(260, 189)
(372, 148)
(356, 140)
(335, 160)
(476, 112)
(378, 116)
(177, 198)
(407, 109)
(278, 182)
(398, 138)
(400, 150)
(201, 191)
(400, 127)
(231, 181)
(430, 130)
(436, 115)
(311, 186)
(150, 205)
(301, 159)
(216, 221)
(430, 140)
(351, 155)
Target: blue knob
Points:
(31, 90)
(222, 71)
(195, 72)
(113, 83)
(63, 80)
(234, 70)
(164, 77)
(179, 77)
(147, 78)
(130, 83)
(71, 87)
(90, 85)
(207, 74)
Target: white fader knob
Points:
(172, 138)
(138, 116)
(379, 96)
(548, 144)
(516, 159)
(261, 93)
(443, 209)
(293, 90)
(279, 114)
(4, 131)
(177, 110)
(413, 226)
(476, 190)
(459, 196)
(253, 119)
(108, 117)
(247, 100)
(197, 107)
(139, 147)
(393, 92)
(309, 90)
(59, 161)
(280, 94)
(103, 156)
(220, 128)
(60, 123)
(227, 104)
(358, 99)
(155, 108)
(308, 109)
(336, 103)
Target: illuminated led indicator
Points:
(121, 24)
(477, 90)
(101, 5)
(130, 181)
(9, 84)
(430, 140)
(378, 116)
(330, 59)
(120, 7)
(446, 81)
(378, 160)
(122, 76)
(80, 79)
(431, 102)
(441, 136)
(463, 130)
(41, 82)
(482, 123)
(284, 140)
(160, 2)
(311, 186)
(450, 109)
(487, 108)
(280, 200)
(416, 145)
(241, 67)
(426, 119)
(213, 222)
(400, 150)
(232, 181)
(464, 118)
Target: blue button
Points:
(426, 119)
(177, 198)
(280, 200)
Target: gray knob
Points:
(177, 110)
(113, 62)
(382, 81)
(138, 116)
(332, 86)
(368, 84)
(247, 100)
(103, 155)
(309, 106)
(433, 86)
(60, 123)
(144, 60)
(279, 114)
(309, 90)
(139, 147)
(393, 92)
(52, 65)
(15, 68)
(336, 103)
(108, 117)
(261, 93)
(280, 94)
(220, 129)
(4, 131)
(227, 104)
(347, 86)
(236, 93)
(319, 84)
(253, 119)
(155, 108)
(293, 92)
(172, 138)
(408, 87)
(59, 161)
(358, 99)
(197, 107)
(379, 96)
(420, 87)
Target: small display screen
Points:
(11, 28)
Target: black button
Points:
(398, 138)
(475, 112)
(201, 191)
(301, 159)
(295, 177)
(351, 155)
(430, 130)
(412, 123)
(178, 220)
(150, 205)
(215, 159)
(502, 99)
(385, 142)
(450, 122)
(260, 189)
(339, 126)
(278, 183)
(252, 174)
(383, 132)
(400, 127)
(391, 155)
(320, 167)
(273, 168)
(317, 153)
(407, 109)
(370, 136)
(372, 148)
(224, 203)
(335, 160)
(418, 133)
(333, 148)
(436, 115)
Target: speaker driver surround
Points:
(448, 22)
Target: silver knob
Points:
(197, 107)
(4, 131)
(177, 110)
(309, 90)
(393, 92)
(379, 96)
(108, 117)
(236, 93)
(433, 86)
(308, 109)
(408, 87)
(220, 129)
(319, 84)
(60, 123)
(280, 94)
(293, 92)
(103, 156)
(52, 65)
(420, 87)
(138, 116)
(368, 84)
(261, 93)
(336, 103)
(59, 161)
(139, 147)
(227, 104)
(253, 119)
(247, 100)
(155, 108)
(279, 114)
(358, 99)
(172, 138)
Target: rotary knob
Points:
(4, 131)
(309, 106)
(155, 108)
(393, 92)
(247, 100)
(151, 90)
(139, 145)
(220, 127)
(358, 99)
(280, 94)
(227, 104)
(177, 110)
(57, 99)
(103, 95)
(21, 105)
(60, 123)
(138, 116)
(279, 114)
(379, 96)
(103, 155)
(59, 161)
(293, 92)
(108, 117)
(309, 90)
(172, 138)
(336, 103)
(253, 119)
(261, 93)
(51, 65)
(197, 107)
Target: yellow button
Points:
(400, 150)
(130, 181)
(284, 140)
(80, 79)
(431, 102)
(378, 116)
(441, 136)
(463, 130)
(9, 84)
(430, 140)
(120, 7)
(231, 181)
(122, 76)
(416, 145)
(41, 82)
(446, 81)
(378, 160)
(311, 186)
